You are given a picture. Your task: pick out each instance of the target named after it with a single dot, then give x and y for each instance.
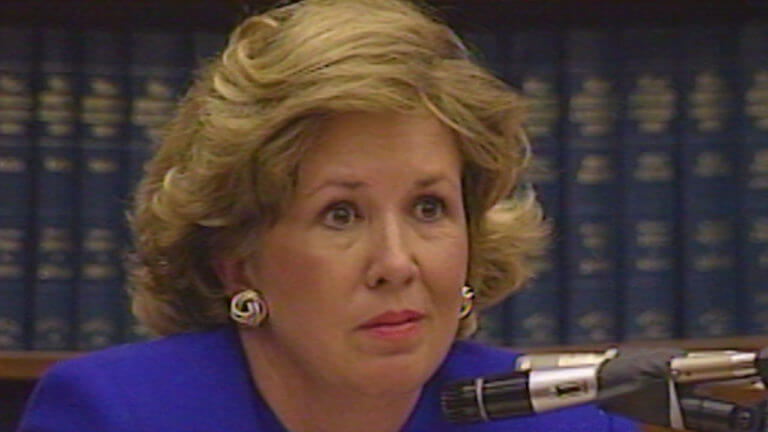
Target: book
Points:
(103, 151)
(753, 169)
(56, 192)
(18, 60)
(534, 64)
(648, 167)
(590, 185)
(159, 72)
(708, 183)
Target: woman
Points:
(329, 186)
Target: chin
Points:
(403, 372)
(395, 381)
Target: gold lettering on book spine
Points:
(16, 104)
(595, 240)
(656, 167)
(651, 236)
(652, 104)
(543, 107)
(709, 104)
(712, 234)
(99, 250)
(594, 108)
(595, 169)
(756, 100)
(11, 250)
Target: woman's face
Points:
(363, 271)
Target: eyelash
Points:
(327, 214)
(433, 200)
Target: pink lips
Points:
(394, 325)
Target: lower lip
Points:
(394, 332)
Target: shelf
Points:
(735, 343)
(29, 365)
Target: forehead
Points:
(365, 142)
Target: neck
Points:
(307, 403)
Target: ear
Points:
(232, 274)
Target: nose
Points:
(392, 260)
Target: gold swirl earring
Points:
(467, 303)
(248, 308)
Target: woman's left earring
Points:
(248, 308)
(468, 301)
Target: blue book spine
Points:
(649, 181)
(753, 167)
(590, 186)
(708, 184)
(160, 66)
(104, 127)
(534, 312)
(56, 193)
(17, 62)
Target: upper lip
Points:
(393, 318)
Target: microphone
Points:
(532, 389)
(518, 394)
(693, 367)
(640, 383)
(720, 365)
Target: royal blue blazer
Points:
(200, 382)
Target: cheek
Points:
(445, 269)
(300, 284)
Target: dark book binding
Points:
(753, 169)
(649, 180)
(57, 195)
(104, 122)
(18, 59)
(708, 183)
(590, 186)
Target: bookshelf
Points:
(19, 370)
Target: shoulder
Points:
(143, 362)
(119, 388)
(172, 352)
(471, 358)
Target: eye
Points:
(340, 215)
(429, 208)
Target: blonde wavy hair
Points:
(227, 163)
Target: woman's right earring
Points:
(248, 308)
(467, 303)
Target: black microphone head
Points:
(459, 402)
(486, 398)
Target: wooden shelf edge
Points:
(30, 365)
(727, 343)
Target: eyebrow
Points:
(432, 180)
(355, 184)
